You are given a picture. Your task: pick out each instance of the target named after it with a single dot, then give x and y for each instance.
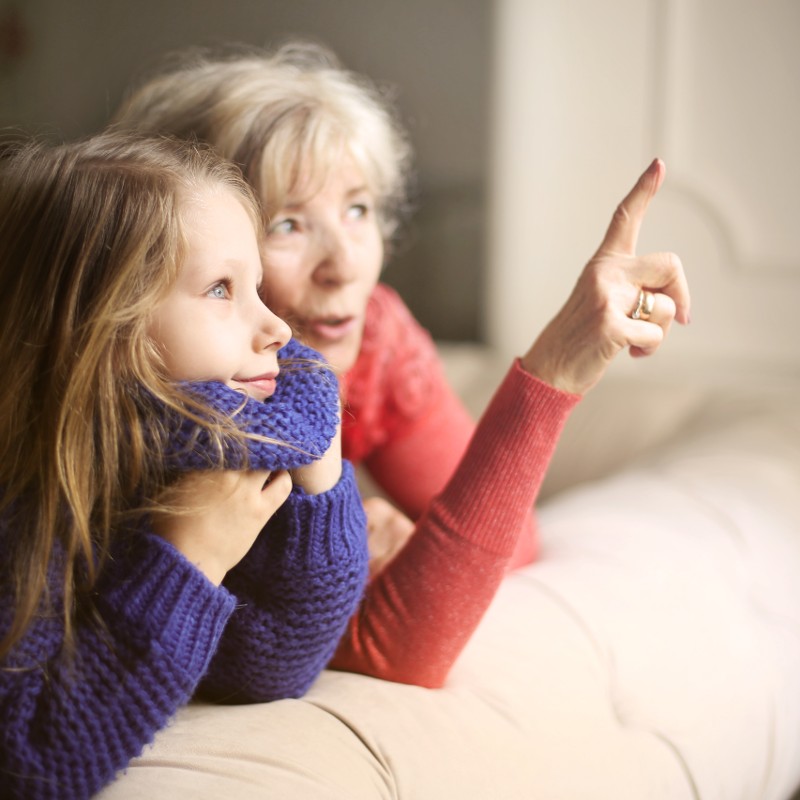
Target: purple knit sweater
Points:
(168, 632)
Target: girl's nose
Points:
(273, 331)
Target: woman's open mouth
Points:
(332, 329)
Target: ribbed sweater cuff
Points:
(313, 533)
(502, 471)
(163, 597)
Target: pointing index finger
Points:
(623, 232)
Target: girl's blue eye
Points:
(219, 291)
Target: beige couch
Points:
(653, 652)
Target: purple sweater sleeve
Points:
(68, 728)
(298, 422)
(296, 590)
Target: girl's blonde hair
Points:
(286, 118)
(91, 238)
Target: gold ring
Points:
(644, 305)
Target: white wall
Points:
(585, 95)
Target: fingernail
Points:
(653, 166)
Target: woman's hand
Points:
(595, 323)
(388, 530)
(219, 515)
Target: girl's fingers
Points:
(276, 489)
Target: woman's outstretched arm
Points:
(419, 612)
(422, 608)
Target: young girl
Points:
(328, 160)
(151, 543)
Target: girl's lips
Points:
(332, 330)
(262, 386)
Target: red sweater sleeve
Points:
(402, 418)
(419, 612)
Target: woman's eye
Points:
(283, 227)
(220, 291)
(358, 210)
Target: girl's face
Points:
(213, 324)
(322, 258)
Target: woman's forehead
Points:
(344, 175)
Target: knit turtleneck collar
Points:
(300, 418)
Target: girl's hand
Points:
(220, 515)
(388, 530)
(323, 474)
(576, 347)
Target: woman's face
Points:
(322, 258)
(213, 324)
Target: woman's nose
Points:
(335, 263)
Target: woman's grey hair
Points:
(286, 118)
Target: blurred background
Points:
(530, 119)
(66, 63)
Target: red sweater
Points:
(472, 500)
